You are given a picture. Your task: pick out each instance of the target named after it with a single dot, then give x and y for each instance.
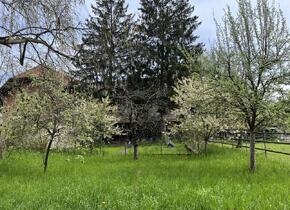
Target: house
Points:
(23, 81)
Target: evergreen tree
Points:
(121, 57)
(103, 57)
(167, 27)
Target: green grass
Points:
(219, 180)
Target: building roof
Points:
(25, 78)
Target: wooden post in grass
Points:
(265, 147)
(135, 150)
(252, 150)
(2, 149)
(240, 141)
(246, 137)
(125, 148)
(101, 147)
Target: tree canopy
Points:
(40, 29)
(58, 116)
(252, 57)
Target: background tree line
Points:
(132, 60)
(136, 60)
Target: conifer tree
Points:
(167, 27)
(103, 57)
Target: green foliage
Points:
(201, 112)
(51, 113)
(198, 110)
(16, 126)
(94, 121)
(252, 64)
(252, 59)
(104, 56)
(46, 111)
(165, 27)
(138, 61)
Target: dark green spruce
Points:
(103, 57)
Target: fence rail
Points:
(266, 133)
(256, 148)
(259, 135)
(263, 141)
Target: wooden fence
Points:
(234, 142)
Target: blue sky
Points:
(207, 10)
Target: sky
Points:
(207, 10)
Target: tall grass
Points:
(218, 180)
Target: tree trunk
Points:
(125, 148)
(252, 152)
(2, 149)
(265, 147)
(205, 145)
(100, 148)
(91, 147)
(135, 151)
(239, 145)
(45, 163)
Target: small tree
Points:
(252, 55)
(136, 107)
(50, 111)
(199, 113)
(46, 112)
(94, 121)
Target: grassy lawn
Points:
(219, 180)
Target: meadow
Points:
(218, 180)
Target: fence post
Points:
(125, 147)
(246, 137)
(2, 149)
(265, 147)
